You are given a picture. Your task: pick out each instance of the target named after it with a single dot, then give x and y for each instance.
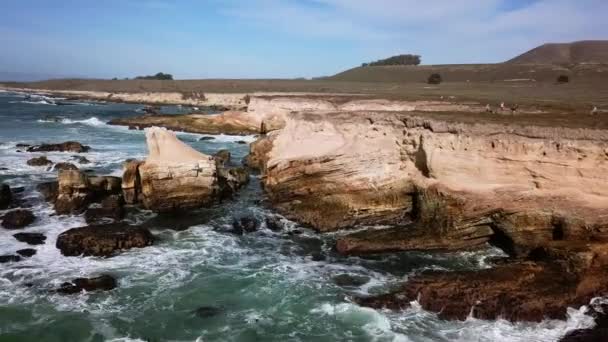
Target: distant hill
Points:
(581, 61)
(587, 51)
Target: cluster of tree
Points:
(563, 79)
(158, 76)
(396, 60)
(434, 79)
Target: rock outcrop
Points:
(17, 219)
(102, 240)
(175, 176)
(39, 161)
(74, 192)
(68, 146)
(131, 181)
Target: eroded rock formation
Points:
(102, 240)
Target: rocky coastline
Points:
(406, 181)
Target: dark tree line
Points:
(396, 60)
(158, 76)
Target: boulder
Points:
(274, 223)
(175, 176)
(31, 238)
(102, 240)
(101, 283)
(222, 157)
(39, 161)
(49, 190)
(18, 219)
(64, 166)
(74, 192)
(111, 210)
(27, 252)
(9, 258)
(131, 182)
(68, 146)
(102, 186)
(5, 196)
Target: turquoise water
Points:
(265, 286)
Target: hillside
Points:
(584, 61)
(589, 51)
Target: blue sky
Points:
(276, 38)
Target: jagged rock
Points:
(27, 252)
(74, 192)
(39, 161)
(64, 166)
(22, 145)
(131, 182)
(31, 238)
(244, 224)
(273, 223)
(175, 176)
(570, 276)
(49, 190)
(231, 180)
(111, 209)
(101, 283)
(9, 258)
(68, 146)
(18, 219)
(102, 240)
(81, 159)
(6, 196)
(222, 157)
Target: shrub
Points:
(563, 79)
(158, 76)
(434, 79)
(396, 60)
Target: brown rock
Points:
(222, 157)
(68, 146)
(230, 180)
(18, 219)
(258, 153)
(102, 240)
(39, 161)
(131, 182)
(111, 210)
(64, 166)
(74, 192)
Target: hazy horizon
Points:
(276, 39)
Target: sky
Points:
(276, 38)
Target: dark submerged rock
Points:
(27, 252)
(101, 283)
(18, 219)
(273, 223)
(102, 240)
(68, 146)
(241, 142)
(39, 161)
(349, 280)
(596, 334)
(231, 180)
(6, 196)
(9, 258)
(31, 238)
(208, 311)
(207, 138)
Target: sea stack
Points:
(175, 176)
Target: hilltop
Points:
(588, 51)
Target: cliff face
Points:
(461, 185)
